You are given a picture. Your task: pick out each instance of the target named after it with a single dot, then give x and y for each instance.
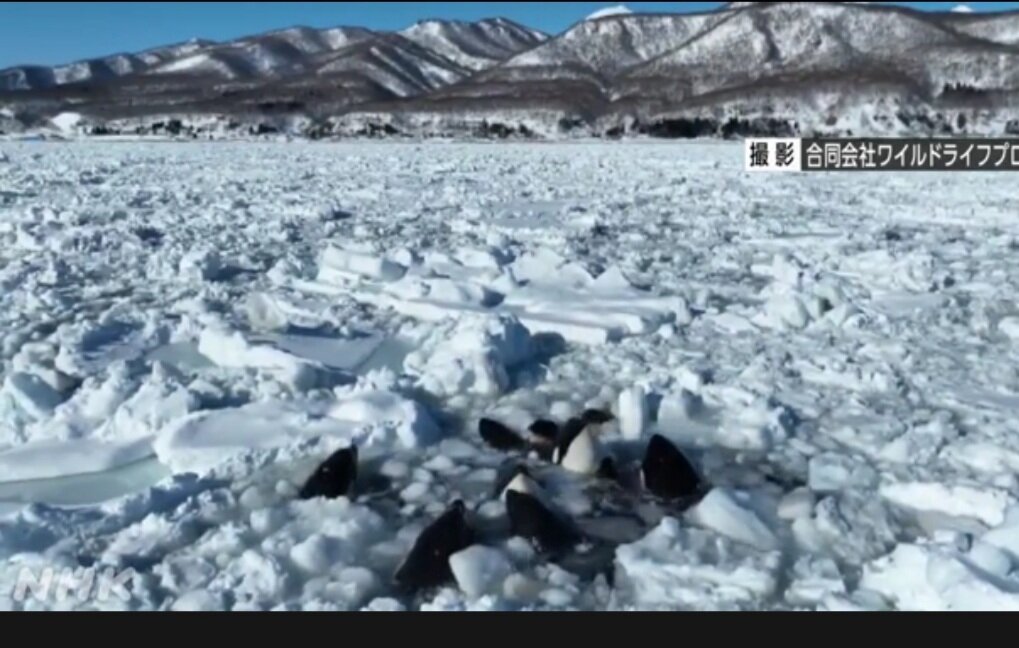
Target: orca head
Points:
(427, 564)
(544, 429)
(541, 437)
(334, 477)
(597, 417)
(500, 437)
(666, 472)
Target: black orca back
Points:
(544, 429)
(667, 472)
(500, 437)
(531, 519)
(334, 477)
(596, 417)
(427, 564)
(543, 435)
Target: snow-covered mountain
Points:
(33, 77)
(787, 38)
(294, 51)
(856, 67)
(772, 66)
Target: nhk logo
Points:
(51, 585)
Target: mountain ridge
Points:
(775, 67)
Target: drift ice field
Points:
(187, 330)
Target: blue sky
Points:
(59, 32)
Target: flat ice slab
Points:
(49, 459)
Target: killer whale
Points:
(666, 472)
(500, 437)
(427, 563)
(334, 477)
(532, 520)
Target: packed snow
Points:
(188, 330)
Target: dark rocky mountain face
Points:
(769, 67)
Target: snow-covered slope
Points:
(475, 46)
(104, 69)
(1000, 28)
(286, 51)
(26, 78)
(616, 42)
(162, 54)
(395, 63)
